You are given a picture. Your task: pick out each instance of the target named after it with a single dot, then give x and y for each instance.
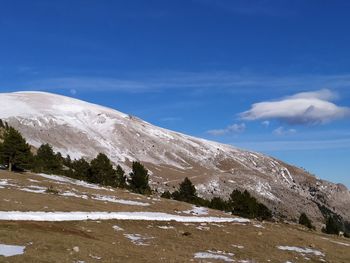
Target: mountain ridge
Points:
(83, 129)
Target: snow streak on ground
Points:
(217, 255)
(112, 199)
(11, 250)
(81, 216)
(196, 210)
(302, 250)
(138, 239)
(67, 180)
(117, 228)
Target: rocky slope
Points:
(82, 129)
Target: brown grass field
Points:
(100, 241)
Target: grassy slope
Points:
(54, 242)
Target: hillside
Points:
(71, 226)
(82, 129)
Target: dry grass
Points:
(54, 242)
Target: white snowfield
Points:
(135, 216)
(11, 250)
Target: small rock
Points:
(76, 249)
(260, 233)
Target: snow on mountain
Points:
(82, 129)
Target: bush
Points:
(51, 190)
(166, 195)
(305, 221)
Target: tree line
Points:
(239, 203)
(16, 154)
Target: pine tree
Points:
(81, 169)
(102, 171)
(15, 151)
(245, 205)
(138, 181)
(187, 192)
(219, 204)
(121, 177)
(47, 161)
(332, 226)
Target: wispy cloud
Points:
(303, 108)
(232, 129)
(281, 131)
(213, 81)
(309, 145)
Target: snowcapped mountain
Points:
(82, 129)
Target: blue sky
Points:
(271, 76)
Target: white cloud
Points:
(234, 128)
(303, 108)
(280, 131)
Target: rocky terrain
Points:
(82, 129)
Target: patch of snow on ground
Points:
(302, 250)
(117, 228)
(205, 228)
(219, 255)
(71, 194)
(34, 189)
(196, 210)
(11, 250)
(238, 246)
(112, 199)
(81, 216)
(138, 239)
(68, 180)
(166, 227)
(95, 257)
(5, 182)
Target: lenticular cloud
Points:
(303, 108)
